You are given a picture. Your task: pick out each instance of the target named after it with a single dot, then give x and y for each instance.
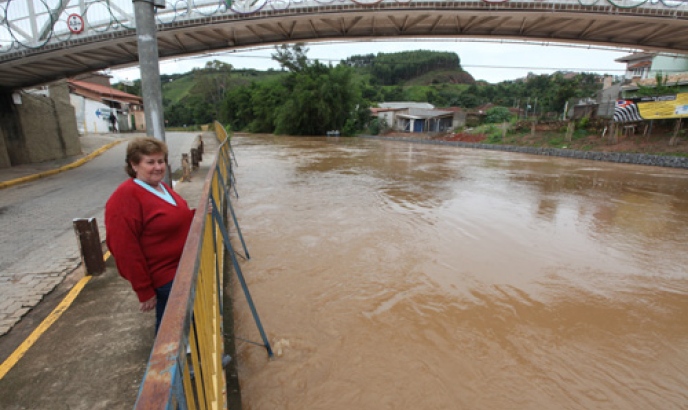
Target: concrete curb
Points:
(77, 163)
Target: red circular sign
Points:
(75, 23)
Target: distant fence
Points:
(185, 370)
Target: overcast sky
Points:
(484, 60)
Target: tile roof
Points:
(105, 91)
(640, 64)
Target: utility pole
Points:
(151, 88)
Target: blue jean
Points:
(161, 294)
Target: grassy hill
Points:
(176, 88)
(419, 74)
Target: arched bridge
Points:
(44, 40)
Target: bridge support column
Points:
(151, 88)
(36, 128)
(8, 127)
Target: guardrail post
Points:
(89, 242)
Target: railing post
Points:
(240, 275)
(89, 242)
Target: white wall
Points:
(387, 116)
(91, 116)
(668, 65)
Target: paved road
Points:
(38, 246)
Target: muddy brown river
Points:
(393, 275)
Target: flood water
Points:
(393, 275)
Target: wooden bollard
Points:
(89, 242)
(195, 158)
(200, 145)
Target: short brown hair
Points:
(142, 146)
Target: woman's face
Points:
(151, 169)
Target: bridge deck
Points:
(39, 46)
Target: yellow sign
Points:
(666, 106)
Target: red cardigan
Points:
(146, 236)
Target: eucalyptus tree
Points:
(317, 98)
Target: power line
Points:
(499, 67)
(240, 53)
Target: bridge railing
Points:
(32, 24)
(185, 369)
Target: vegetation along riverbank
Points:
(550, 114)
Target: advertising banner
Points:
(652, 108)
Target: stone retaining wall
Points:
(620, 157)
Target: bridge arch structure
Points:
(45, 40)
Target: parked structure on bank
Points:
(419, 117)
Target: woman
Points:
(146, 225)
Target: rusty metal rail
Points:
(185, 369)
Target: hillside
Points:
(176, 88)
(241, 97)
(440, 76)
(419, 73)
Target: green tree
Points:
(497, 115)
(133, 87)
(211, 84)
(266, 98)
(660, 88)
(316, 98)
(293, 58)
(395, 68)
(236, 108)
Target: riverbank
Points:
(631, 149)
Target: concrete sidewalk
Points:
(94, 355)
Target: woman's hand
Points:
(148, 305)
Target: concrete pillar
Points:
(151, 87)
(12, 143)
(4, 156)
(59, 91)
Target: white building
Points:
(94, 103)
(418, 117)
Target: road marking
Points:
(77, 163)
(20, 351)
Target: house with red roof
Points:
(645, 66)
(98, 107)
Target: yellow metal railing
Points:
(185, 369)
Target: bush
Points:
(497, 115)
(578, 134)
(557, 142)
(582, 123)
(350, 128)
(377, 126)
(494, 134)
